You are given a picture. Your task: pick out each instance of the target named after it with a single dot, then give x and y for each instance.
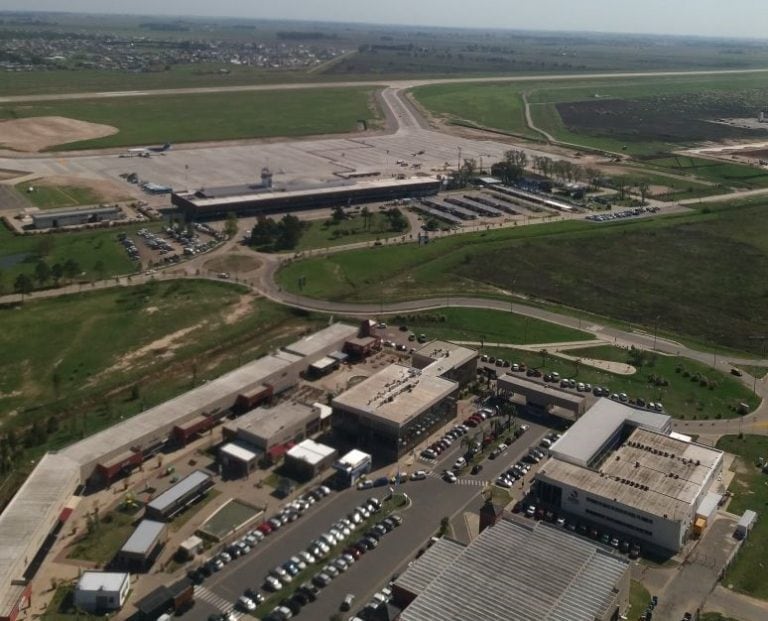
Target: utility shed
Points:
(140, 549)
(101, 591)
(175, 498)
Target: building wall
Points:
(46, 221)
(636, 525)
(94, 601)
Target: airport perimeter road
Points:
(431, 500)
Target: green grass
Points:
(639, 598)
(62, 607)
(107, 537)
(52, 197)
(488, 326)
(758, 372)
(747, 574)
(220, 116)
(228, 517)
(697, 275)
(325, 234)
(180, 520)
(19, 254)
(735, 175)
(495, 106)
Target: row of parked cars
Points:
(319, 550)
(620, 215)
(246, 543)
(540, 513)
(434, 449)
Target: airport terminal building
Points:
(620, 468)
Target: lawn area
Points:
(56, 387)
(697, 275)
(639, 598)
(62, 607)
(488, 326)
(106, 538)
(750, 491)
(682, 397)
(326, 233)
(53, 197)
(229, 516)
(19, 254)
(734, 175)
(191, 510)
(496, 106)
(219, 116)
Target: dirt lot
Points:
(39, 133)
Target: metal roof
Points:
(438, 557)
(30, 516)
(173, 494)
(68, 211)
(322, 342)
(263, 423)
(311, 452)
(516, 571)
(445, 357)
(144, 538)
(102, 581)
(595, 428)
(239, 452)
(395, 395)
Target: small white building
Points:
(101, 591)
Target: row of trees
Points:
(45, 274)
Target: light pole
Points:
(655, 330)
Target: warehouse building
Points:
(447, 360)
(262, 199)
(142, 547)
(515, 571)
(308, 459)
(618, 468)
(177, 497)
(321, 344)
(100, 591)
(56, 218)
(392, 411)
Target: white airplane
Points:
(147, 151)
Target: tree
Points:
(99, 269)
(290, 232)
(338, 214)
(264, 232)
(46, 245)
(643, 188)
(230, 227)
(467, 172)
(397, 221)
(57, 272)
(42, 273)
(72, 269)
(367, 217)
(23, 285)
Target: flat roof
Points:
(311, 452)
(102, 581)
(324, 363)
(30, 516)
(597, 425)
(651, 472)
(173, 494)
(395, 394)
(266, 422)
(331, 188)
(328, 338)
(515, 571)
(521, 383)
(446, 356)
(354, 458)
(144, 538)
(239, 452)
(69, 211)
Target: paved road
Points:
(431, 500)
(736, 605)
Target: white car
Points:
(272, 583)
(450, 477)
(246, 603)
(460, 463)
(419, 475)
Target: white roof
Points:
(322, 342)
(708, 505)
(598, 425)
(102, 581)
(191, 542)
(144, 537)
(325, 410)
(311, 452)
(445, 356)
(354, 458)
(239, 452)
(324, 363)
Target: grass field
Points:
(319, 234)
(696, 275)
(218, 116)
(734, 175)
(639, 598)
(52, 197)
(56, 387)
(108, 535)
(19, 254)
(682, 397)
(62, 607)
(747, 573)
(488, 326)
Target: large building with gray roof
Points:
(620, 469)
(515, 571)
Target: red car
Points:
(264, 528)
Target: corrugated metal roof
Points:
(321, 342)
(429, 565)
(143, 539)
(188, 484)
(519, 572)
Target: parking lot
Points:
(169, 245)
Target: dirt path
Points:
(38, 133)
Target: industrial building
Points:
(56, 218)
(515, 571)
(142, 547)
(619, 468)
(393, 410)
(317, 345)
(265, 199)
(447, 360)
(177, 497)
(100, 591)
(308, 459)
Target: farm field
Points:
(488, 326)
(56, 388)
(749, 492)
(696, 275)
(682, 397)
(225, 116)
